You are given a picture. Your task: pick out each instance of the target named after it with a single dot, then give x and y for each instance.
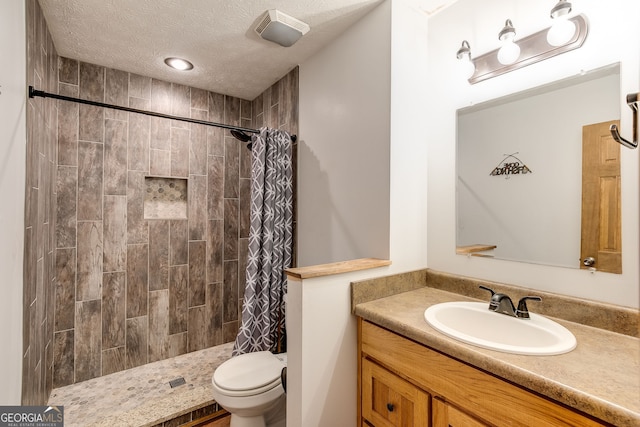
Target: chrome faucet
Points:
(501, 303)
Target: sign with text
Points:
(31, 416)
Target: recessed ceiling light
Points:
(178, 64)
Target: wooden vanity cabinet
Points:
(406, 384)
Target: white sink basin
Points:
(474, 323)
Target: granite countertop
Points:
(601, 377)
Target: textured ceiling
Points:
(215, 35)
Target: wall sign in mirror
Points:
(510, 165)
(534, 217)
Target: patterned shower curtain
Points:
(270, 243)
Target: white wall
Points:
(343, 159)
(613, 36)
(322, 350)
(13, 138)
(362, 156)
(409, 135)
(321, 331)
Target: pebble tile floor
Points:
(142, 396)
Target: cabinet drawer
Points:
(390, 401)
(445, 415)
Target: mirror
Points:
(519, 169)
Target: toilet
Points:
(249, 387)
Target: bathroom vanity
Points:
(411, 375)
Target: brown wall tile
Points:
(90, 168)
(68, 127)
(113, 310)
(232, 110)
(160, 162)
(158, 325)
(91, 82)
(87, 340)
(63, 365)
(198, 144)
(177, 344)
(90, 257)
(90, 123)
(229, 331)
(180, 104)
(67, 179)
(136, 350)
(115, 157)
(161, 96)
(199, 99)
(116, 93)
(115, 233)
(68, 71)
(65, 295)
(215, 307)
(197, 273)
(137, 230)
(197, 207)
(215, 186)
(137, 280)
(138, 139)
(243, 249)
(178, 249)
(139, 86)
(231, 218)
(215, 251)
(197, 334)
(180, 152)
(231, 167)
(230, 295)
(245, 208)
(113, 360)
(160, 134)
(178, 287)
(158, 255)
(215, 140)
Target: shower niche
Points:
(165, 198)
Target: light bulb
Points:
(509, 52)
(561, 31)
(464, 54)
(468, 68)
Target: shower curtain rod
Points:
(237, 131)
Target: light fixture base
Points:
(533, 48)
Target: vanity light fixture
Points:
(464, 55)
(178, 64)
(530, 49)
(562, 29)
(510, 51)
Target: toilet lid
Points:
(248, 371)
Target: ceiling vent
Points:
(281, 28)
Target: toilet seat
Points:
(249, 374)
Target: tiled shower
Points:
(107, 288)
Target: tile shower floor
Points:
(142, 396)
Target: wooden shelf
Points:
(336, 268)
(473, 249)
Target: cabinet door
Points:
(390, 401)
(445, 415)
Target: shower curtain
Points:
(270, 243)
